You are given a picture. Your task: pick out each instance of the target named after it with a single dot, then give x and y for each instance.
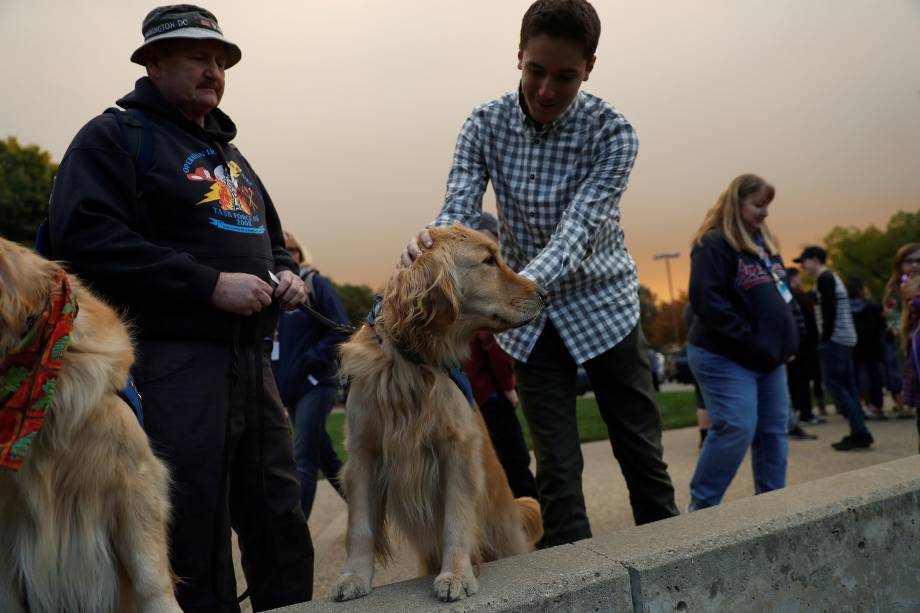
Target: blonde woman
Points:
(905, 266)
(744, 333)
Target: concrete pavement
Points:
(606, 494)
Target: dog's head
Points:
(458, 286)
(25, 288)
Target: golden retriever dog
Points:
(418, 455)
(83, 520)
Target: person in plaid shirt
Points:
(559, 159)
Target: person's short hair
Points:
(855, 287)
(487, 223)
(574, 20)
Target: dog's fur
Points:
(418, 455)
(83, 523)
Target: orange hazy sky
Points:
(349, 110)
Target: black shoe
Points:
(814, 420)
(799, 434)
(855, 441)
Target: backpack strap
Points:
(137, 139)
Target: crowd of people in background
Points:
(759, 346)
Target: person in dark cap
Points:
(836, 340)
(166, 219)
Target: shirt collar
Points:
(523, 122)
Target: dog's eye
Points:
(490, 261)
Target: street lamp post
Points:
(667, 257)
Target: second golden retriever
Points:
(418, 455)
(83, 516)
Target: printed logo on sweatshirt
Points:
(750, 275)
(229, 193)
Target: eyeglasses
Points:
(913, 260)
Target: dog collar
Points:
(28, 375)
(455, 373)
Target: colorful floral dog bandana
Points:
(29, 373)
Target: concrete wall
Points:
(846, 543)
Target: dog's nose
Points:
(544, 297)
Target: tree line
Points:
(27, 176)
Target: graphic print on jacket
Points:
(750, 275)
(231, 191)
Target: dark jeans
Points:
(840, 381)
(508, 440)
(622, 382)
(214, 416)
(313, 448)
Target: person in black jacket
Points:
(744, 333)
(184, 246)
(803, 369)
(306, 369)
(868, 352)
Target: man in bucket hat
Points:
(168, 221)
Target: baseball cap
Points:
(812, 251)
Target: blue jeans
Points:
(748, 409)
(840, 381)
(313, 448)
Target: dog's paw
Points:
(349, 587)
(449, 586)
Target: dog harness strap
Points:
(132, 397)
(374, 313)
(29, 373)
(459, 377)
(456, 373)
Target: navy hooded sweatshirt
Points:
(155, 250)
(740, 313)
(307, 348)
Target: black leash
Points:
(343, 329)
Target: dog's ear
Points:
(421, 301)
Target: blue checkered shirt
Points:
(558, 190)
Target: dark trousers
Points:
(798, 374)
(508, 440)
(840, 381)
(214, 416)
(868, 372)
(622, 382)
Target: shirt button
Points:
(532, 177)
(533, 214)
(536, 141)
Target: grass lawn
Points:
(678, 410)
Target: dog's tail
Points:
(531, 518)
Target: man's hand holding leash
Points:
(245, 294)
